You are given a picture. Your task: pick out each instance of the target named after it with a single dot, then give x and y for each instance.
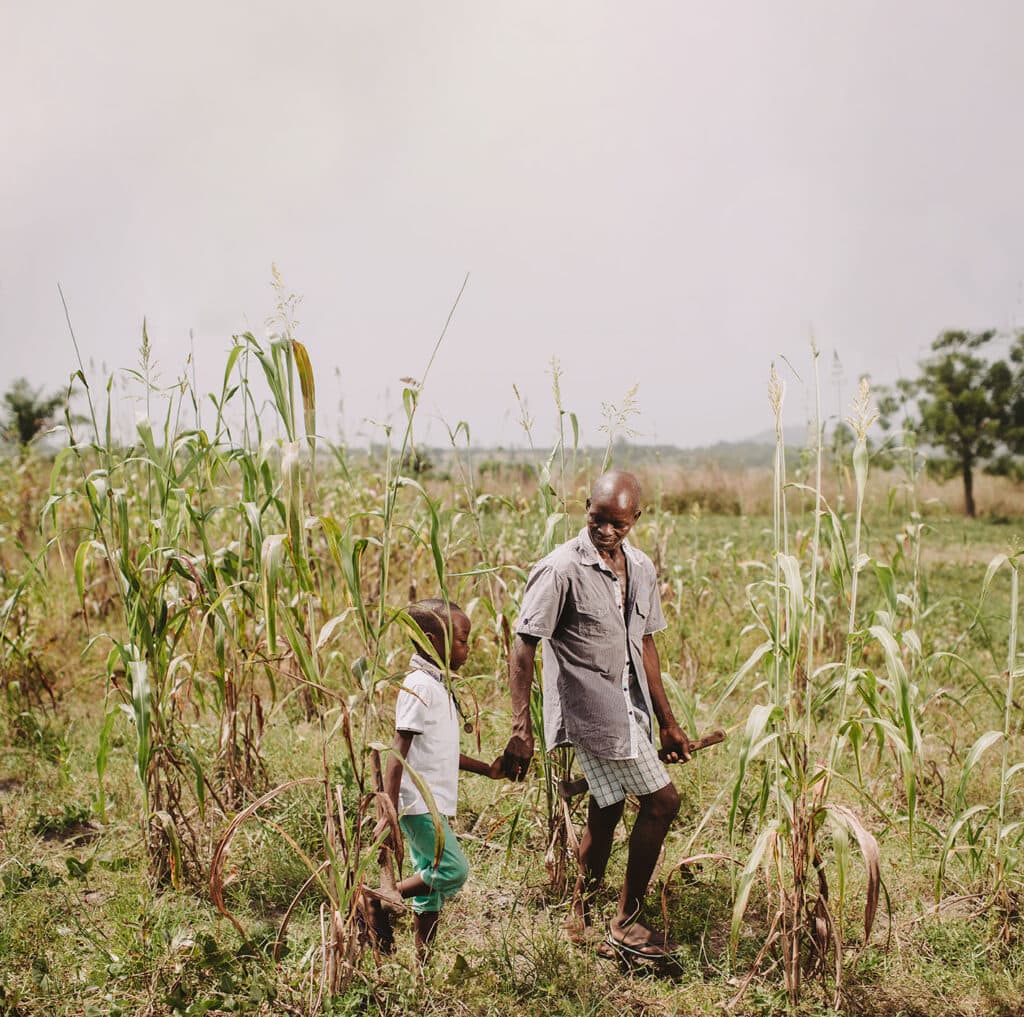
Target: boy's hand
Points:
(675, 746)
(496, 771)
(515, 761)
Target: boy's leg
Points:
(424, 926)
(430, 885)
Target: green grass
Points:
(90, 925)
(84, 932)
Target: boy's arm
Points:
(393, 774)
(393, 781)
(519, 751)
(673, 738)
(493, 770)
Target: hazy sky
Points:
(670, 194)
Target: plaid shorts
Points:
(611, 780)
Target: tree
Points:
(1014, 435)
(27, 411)
(965, 407)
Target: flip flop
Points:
(648, 952)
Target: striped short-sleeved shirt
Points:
(572, 604)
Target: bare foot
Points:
(578, 927)
(390, 900)
(375, 925)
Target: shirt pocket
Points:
(593, 607)
(638, 617)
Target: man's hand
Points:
(675, 746)
(515, 761)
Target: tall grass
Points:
(246, 581)
(794, 801)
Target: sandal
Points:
(649, 951)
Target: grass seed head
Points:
(776, 393)
(862, 413)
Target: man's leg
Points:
(595, 850)
(657, 811)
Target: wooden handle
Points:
(700, 743)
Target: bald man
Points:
(594, 604)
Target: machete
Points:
(569, 789)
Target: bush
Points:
(711, 500)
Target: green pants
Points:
(452, 870)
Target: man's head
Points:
(612, 509)
(439, 618)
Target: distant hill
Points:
(749, 453)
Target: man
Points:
(594, 602)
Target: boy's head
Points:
(437, 618)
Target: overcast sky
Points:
(669, 194)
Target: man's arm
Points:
(519, 751)
(673, 737)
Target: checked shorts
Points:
(611, 780)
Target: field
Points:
(201, 637)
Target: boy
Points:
(427, 725)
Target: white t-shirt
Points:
(426, 708)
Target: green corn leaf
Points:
(197, 770)
(748, 665)
(166, 824)
(978, 749)
(102, 756)
(947, 848)
(993, 567)
(549, 529)
(81, 554)
(793, 580)
(1013, 771)
(887, 583)
(142, 715)
(307, 661)
(271, 560)
(766, 839)
(750, 747)
(328, 628)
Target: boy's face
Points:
(460, 642)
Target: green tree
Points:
(965, 405)
(26, 411)
(1014, 434)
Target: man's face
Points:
(609, 519)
